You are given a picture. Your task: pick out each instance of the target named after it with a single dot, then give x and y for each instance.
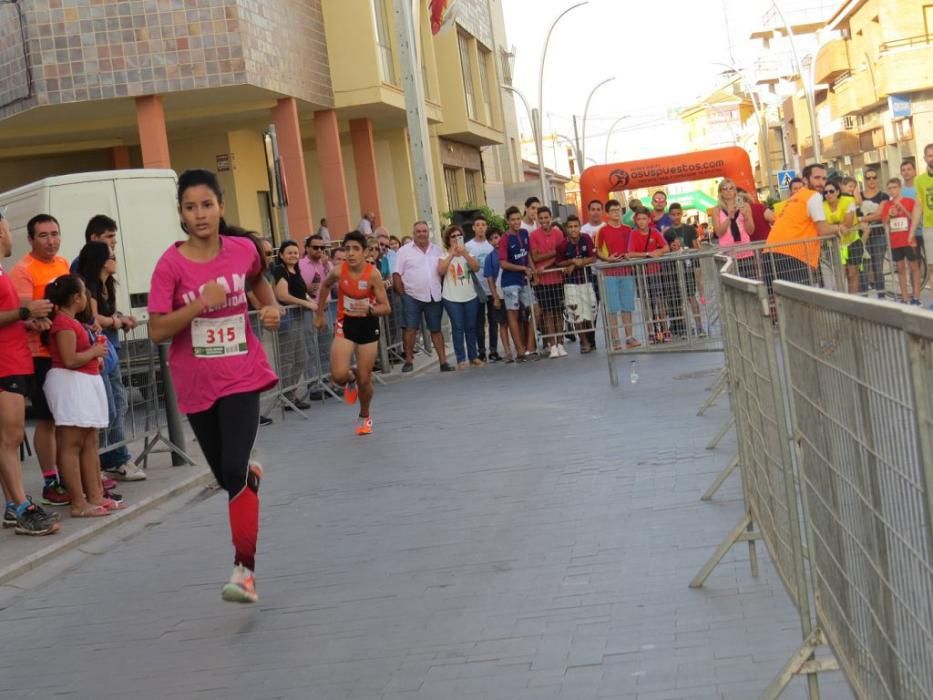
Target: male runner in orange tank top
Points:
(361, 298)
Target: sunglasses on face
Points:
(456, 235)
(870, 177)
(318, 247)
(831, 191)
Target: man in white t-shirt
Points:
(367, 223)
(595, 222)
(530, 219)
(591, 228)
(480, 248)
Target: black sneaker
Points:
(113, 496)
(494, 357)
(35, 522)
(9, 516)
(408, 367)
(446, 367)
(264, 421)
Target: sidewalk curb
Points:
(202, 478)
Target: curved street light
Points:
(764, 132)
(609, 135)
(540, 146)
(586, 111)
(807, 90)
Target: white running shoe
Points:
(554, 352)
(561, 350)
(126, 472)
(242, 586)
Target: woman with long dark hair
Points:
(97, 265)
(198, 301)
(292, 291)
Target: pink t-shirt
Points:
(227, 357)
(552, 241)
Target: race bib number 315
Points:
(218, 337)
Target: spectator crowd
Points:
(511, 296)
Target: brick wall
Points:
(14, 76)
(83, 50)
(473, 16)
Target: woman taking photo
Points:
(840, 209)
(197, 300)
(291, 290)
(734, 225)
(459, 294)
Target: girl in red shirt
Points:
(76, 396)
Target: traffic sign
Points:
(784, 177)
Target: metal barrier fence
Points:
(834, 423)
(859, 376)
(565, 302)
(772, 511)
(151, 412)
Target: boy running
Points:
(361, 297)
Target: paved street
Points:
(513, 532)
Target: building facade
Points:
(90, 85)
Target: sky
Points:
(662, 54)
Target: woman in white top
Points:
(459, 294)
(734, 225)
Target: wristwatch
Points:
(24, 313)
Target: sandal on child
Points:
(90, 511)
(112, 505)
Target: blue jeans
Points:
(462, 316)
(116, 411)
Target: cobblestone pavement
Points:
(512, 532)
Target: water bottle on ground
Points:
(633, 372)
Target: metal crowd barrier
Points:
(674, 302)
(566, 304)
(772, 512)
(834, 424)
(859, 375)
(151, 411)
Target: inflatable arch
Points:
(598, 181)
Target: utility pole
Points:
(418, 137)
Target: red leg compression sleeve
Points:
(244, 526)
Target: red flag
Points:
(438, 11)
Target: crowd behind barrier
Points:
(834, 424)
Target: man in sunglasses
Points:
(314, 267)
(873, 198)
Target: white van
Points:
(142, 202)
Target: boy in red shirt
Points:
(647, 242)
(897, 213)
(547, 253)
(612, 247)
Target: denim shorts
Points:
(413, 311)
(620, 294)
(517, 296)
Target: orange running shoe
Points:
(364, 425)
(350, 393)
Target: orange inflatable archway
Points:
(598, 181)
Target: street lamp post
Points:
(764, 130)
(609, 135)
(586, 111)
(547, 39)
(807, 90)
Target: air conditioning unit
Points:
(849, 122)
(847, 160)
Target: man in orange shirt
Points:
(30, 277)
(802, 217)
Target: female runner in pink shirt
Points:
(198, 300)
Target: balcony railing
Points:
(921, 40)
